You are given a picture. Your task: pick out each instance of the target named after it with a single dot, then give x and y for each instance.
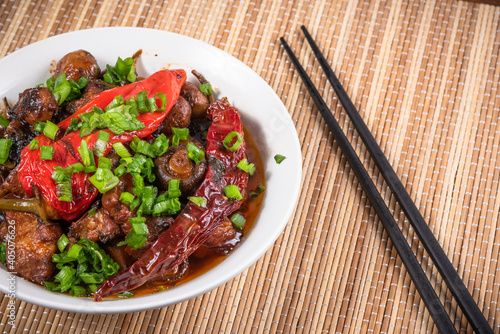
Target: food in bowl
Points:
(130, 185)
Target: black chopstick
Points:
(429, 241)
(422, 283)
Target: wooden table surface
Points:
(424, 75)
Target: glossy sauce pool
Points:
(249, 209)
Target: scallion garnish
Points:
(81, 267)
(66, 90)
(50, 130)
(229, 139)
(33, 145)
(121, 73)
(255, 193)
(62, 242)
(179, 134)
(3, 252)
(279, 158)
(206, 89)
(86, 154)
(101, 143)
(4, 122)
(194, 153)
(160, 145)
(140, 146)
(238, 220)
(245, 166)
(199, 201)
(39, 126)
(121, 150)
(46, 152)
(231, 191)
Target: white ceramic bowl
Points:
(261, 110)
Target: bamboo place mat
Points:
(425, 77)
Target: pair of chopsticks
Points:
(429, 241)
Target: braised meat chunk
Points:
(99, 227)
(35, 243)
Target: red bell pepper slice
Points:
(33, 171)
(194, 224)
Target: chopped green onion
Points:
(3, 251)
(34, 145)
(133, 240)
(77, 290)
(121, 150)
(163, 100)
(62, 242)
(231, 191)
(4, 122)
(126, 294)
(120, 170)
(64, 191)
(238, 220)
(255, 193)
(86, 155)
(126, 197)
(141, 101)
(39, 126)
(143, 147)
(73, 126)
(92, 212)
(50, 130)
(101, 143)
(104, 180)
(229, 138)
(66, 90)
(246, 167)
(46, 152)
(279, 158)
(206, 89)
(59, 176)
(121, 73)
(160, 145)
(173, 189)
(194, 153)
(199, 201)
(81, 267)
(179, 134)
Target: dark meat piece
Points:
(99, 227)
(77, 64)
(93, 88)
(175, 164)
(156, 226)
(110, 200)
(12, 186)
(21, 134)
(35, 243)
(34, 105)
(221, 241)
(179, 116)
(197, 100)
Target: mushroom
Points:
(176, 164)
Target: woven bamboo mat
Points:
(424, 75)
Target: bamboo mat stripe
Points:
(425, 76)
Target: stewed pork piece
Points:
(35, 243)
(34, 105)
(97, 227)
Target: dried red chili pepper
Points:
(33, 171)
(194, 224)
